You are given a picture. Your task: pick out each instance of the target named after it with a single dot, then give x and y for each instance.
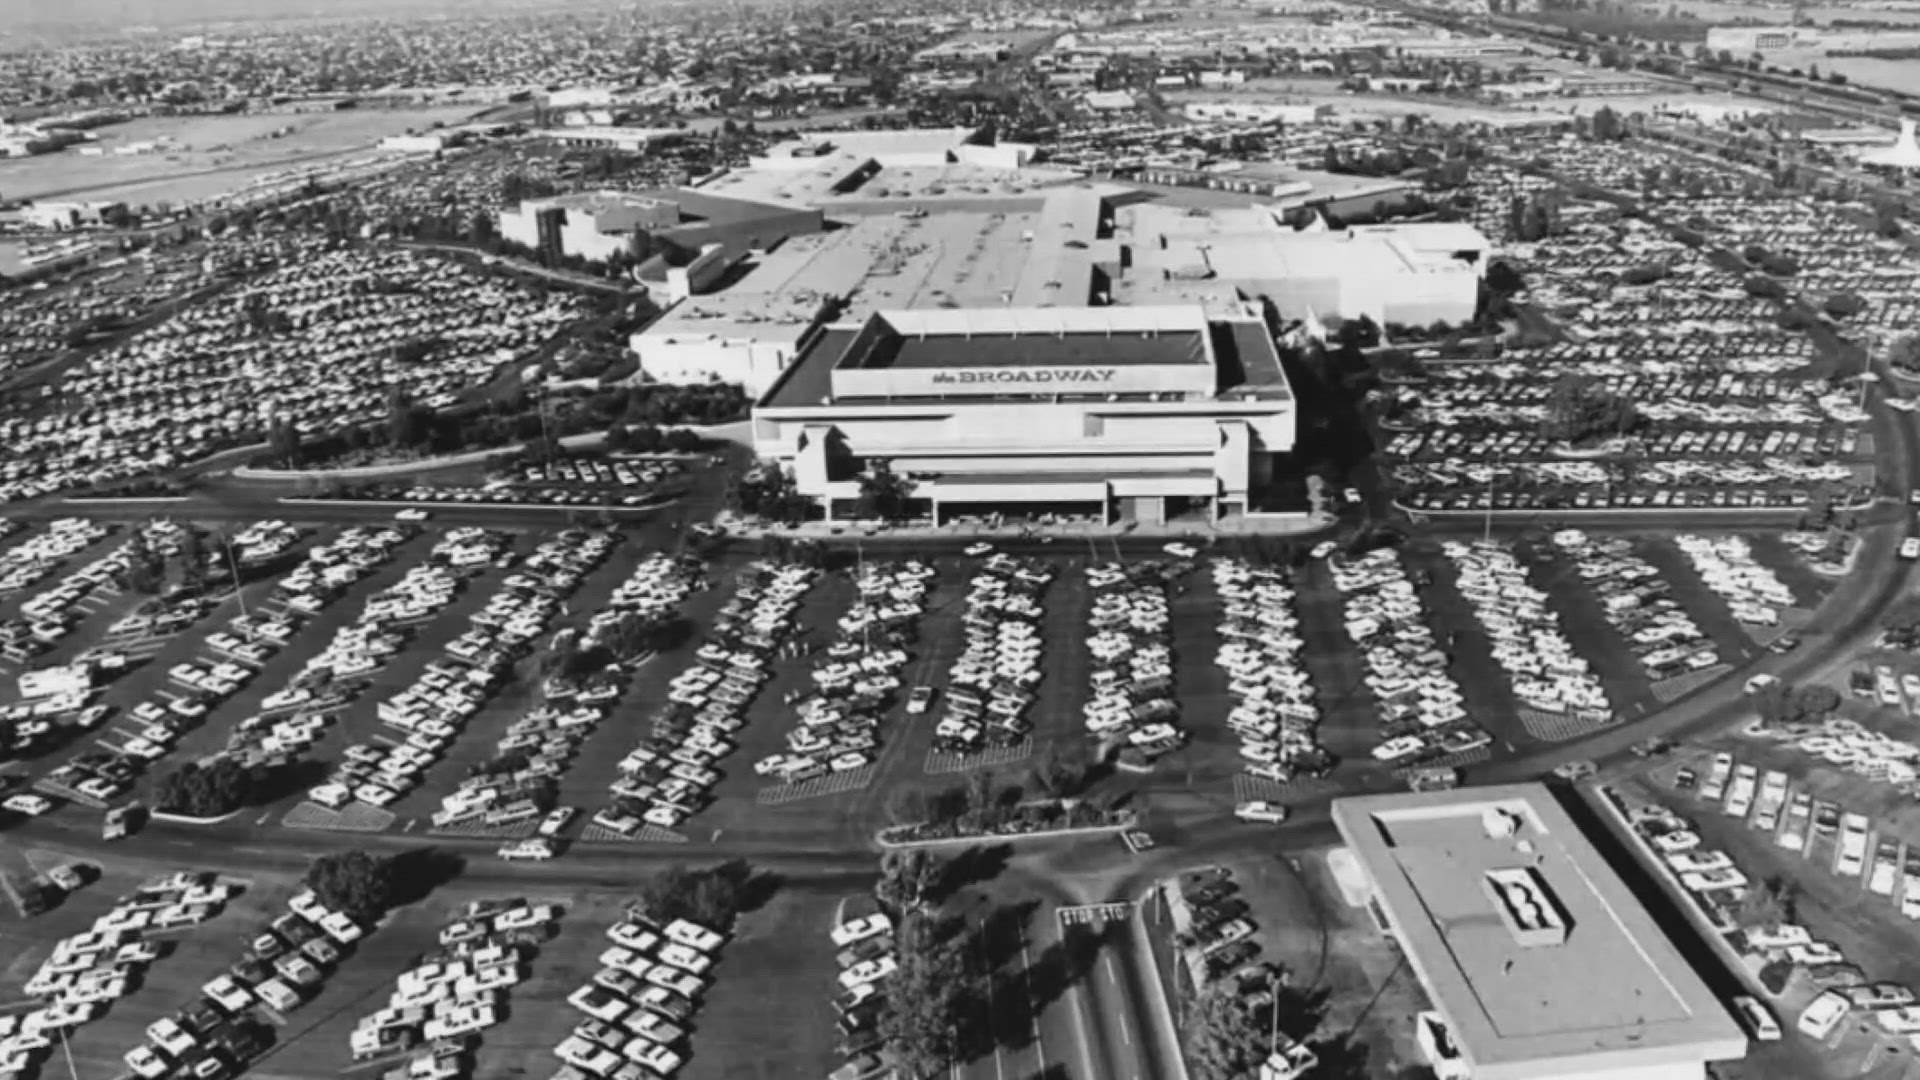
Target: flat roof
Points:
(1246, 360)
(1614, 993)
(996, 349)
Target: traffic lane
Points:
(1111, 1041)
(1024, 1027)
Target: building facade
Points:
(1115, 413)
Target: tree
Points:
(1905, 353)
(1844, 305)
(1225, 1039)
(1503, 280)
(1772, 902)
(1581, 411)
(926, 998)
(1061, 773)
(908, 880)
(357, 884)
(1606, 124)
(884, 494)
(220, 787)
(284, 443)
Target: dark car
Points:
(1686, 779)
(1211, 893)
(1233, 956)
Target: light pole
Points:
(233, 565)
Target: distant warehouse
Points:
(1137, 412)
(1540, 962)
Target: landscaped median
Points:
(1028, 821)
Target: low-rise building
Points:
(1541, 963)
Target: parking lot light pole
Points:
(233, 565)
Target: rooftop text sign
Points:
(1020, 379)
(1024, 377)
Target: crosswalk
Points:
(819, 787)
(946, 762)
(1559, 727)
(478, 828)
(646, 834)
(1668, 690)
(1478, 756)
(354, 817)
(1092, 914)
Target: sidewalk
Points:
(1257, 525)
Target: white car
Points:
(1910, 548)
(534, 850)
(1181, 551)
(556, 820)
(861, 929)
(978, 550)
(693, 936)
(1261, 810)
(868, 971)
(146, 1063)
(412, 513)
(1758, 1021)
(27, 803)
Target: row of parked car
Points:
(1638, 603)
(857, 678)
(431, 713)
(1718, 888)
(639, 1005)
(280, 735)
(1753, 592)
(1848, 745)
(198, 381)
(33, 559)
(1133, 703)
(1276, 714)
(523, 778)
(1523, 631)
(220, 1031)
(154, 727)
(53, 613)
(441, 1004)
(670, 776)
(87, 972)
(990, 687)
(1422, 713)
(866, 956)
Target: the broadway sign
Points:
(1024, 376)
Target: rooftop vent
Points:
(1526, 906)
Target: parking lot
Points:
(197, 382)
(1812, 880)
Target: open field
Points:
(204, 156)
(1902, 75)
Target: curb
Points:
(1164, 1007)
(183, 819)
(91, 499)
(647, 508)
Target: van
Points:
(522, 810)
